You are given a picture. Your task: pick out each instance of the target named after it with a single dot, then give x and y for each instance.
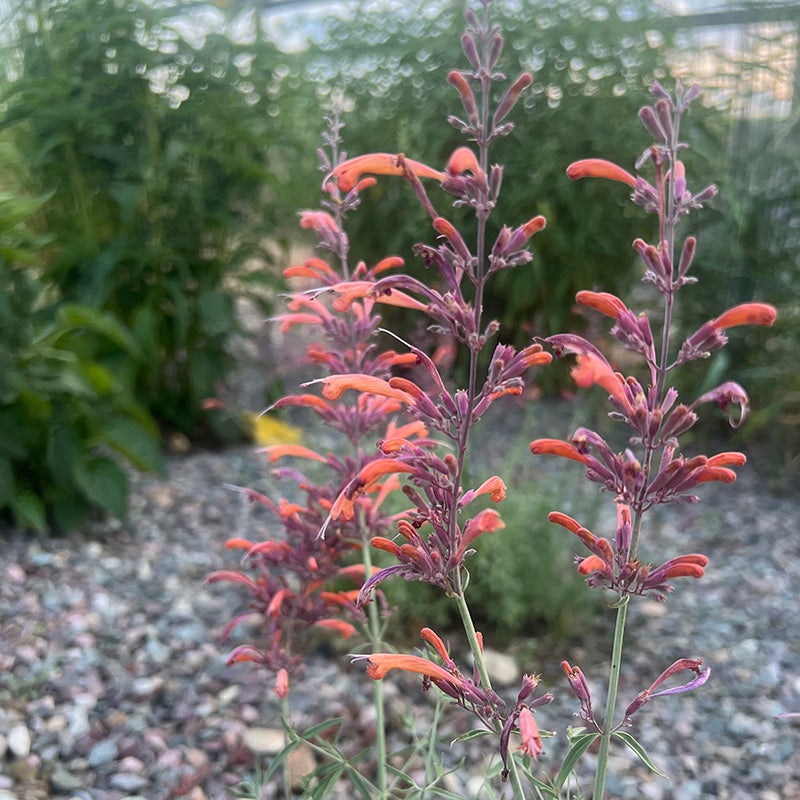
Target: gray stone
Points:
(63, 782)
(127, 782)
(19, 741)
(103, 752)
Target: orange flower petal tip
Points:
(282, 683)
(349, 173)
(463, 160)
(344, 629)
(534, 225)
(557, 447)
(747, 314)
(599, 168)
(604, 302)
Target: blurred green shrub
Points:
(592, 66)
(591, 71)
(162, 157)
(750, 249)
(68, 425)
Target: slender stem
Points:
(286, 772)
(480, 665)
(374, 626)
(611, 701)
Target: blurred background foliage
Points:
(154, 157)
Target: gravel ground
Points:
(113, 684)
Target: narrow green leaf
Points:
(473, 734)
(78, 316)
(366, 789)
(580, 744)
(277, 761)
(640, 752)
(316, 730)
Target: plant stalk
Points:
(374, 626)
(480, 665)
(611, 701)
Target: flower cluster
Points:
(469, 692)
(437, 534)
(652, 470)
(289, 577)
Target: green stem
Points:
(287, 775)
(480, 664)
(611, 701)
(374, 626)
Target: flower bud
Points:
(651, 123)
(469, 47)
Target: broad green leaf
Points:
(29, 511)
(640, 752)
(104, 483)
(62, 452)
(580, 744)
(67, 507)
(135, 443)
(6, 482)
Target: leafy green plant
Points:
(160, 156)
(68, 423)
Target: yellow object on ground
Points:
(266, 430)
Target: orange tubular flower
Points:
(334, 386)
(344, 504)
(592, 564)
(318, 219)
(486, 521)
(565, 521)
(276, 451)
(288, 321)
(534, 225)
(433, 638)
(534, 356)
(494, 487)
(557, 447)
(353, 290)
(599, 168)
(382, 663)
(463, 160)
(310, 268)
(721, 474)
(732, 459)
(387, 545)
(282, 683)
(529, 731)
(604, 302)
(345, 629)
(746, 314)
(348, 173)
(590, 369)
